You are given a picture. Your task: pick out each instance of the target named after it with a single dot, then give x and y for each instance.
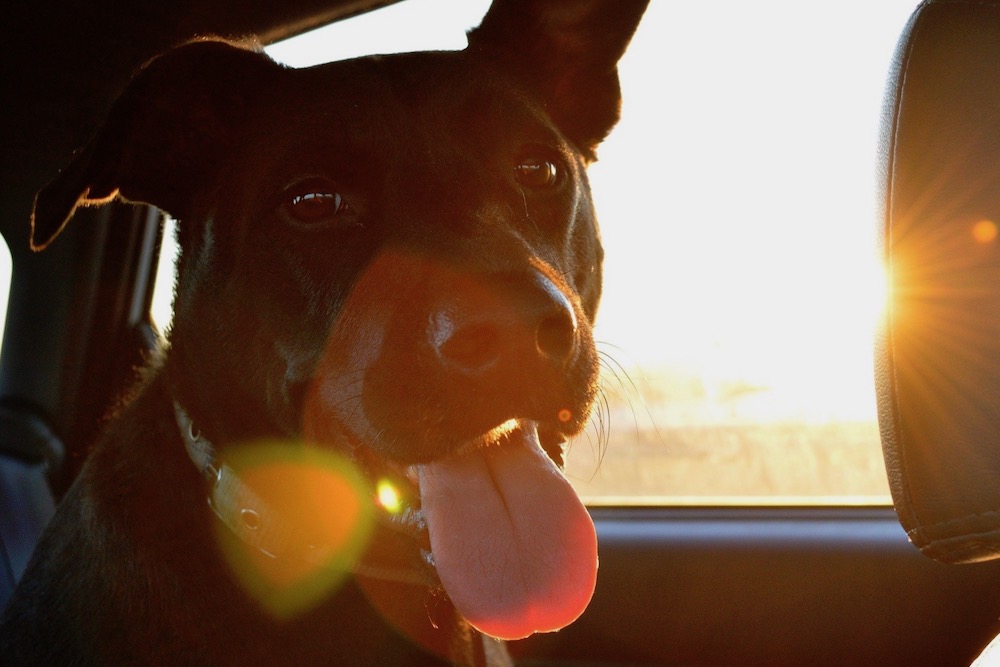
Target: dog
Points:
(350, 452)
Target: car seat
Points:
(938, 355)
(27, 450)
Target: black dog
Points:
(394, 259)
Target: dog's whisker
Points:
(346, 400)
(631, 390)
(599, 435)
(527, 213)
(604, 435)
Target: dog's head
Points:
(397, 256)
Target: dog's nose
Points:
(555, 333)
(519, 324)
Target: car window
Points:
(5, 278)
(737, 204)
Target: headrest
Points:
(938, 362)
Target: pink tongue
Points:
(514, 546)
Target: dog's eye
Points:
(315, 203)
(316, 206)
(537, 172)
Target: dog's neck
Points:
(251, 519)
(393, 557)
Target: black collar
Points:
(394, 555)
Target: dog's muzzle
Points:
(458, 377)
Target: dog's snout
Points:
(518, 326)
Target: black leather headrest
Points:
(938, 364)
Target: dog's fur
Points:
(442, 223)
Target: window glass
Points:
(5, 278)
(163, 290)
(737, 203)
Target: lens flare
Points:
(388, 497)
(984, 231)
(311, 517)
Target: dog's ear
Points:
(161, 137)
(566, 52)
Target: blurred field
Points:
(673, 440)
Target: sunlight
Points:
(737, 204)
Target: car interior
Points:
(904, 571)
